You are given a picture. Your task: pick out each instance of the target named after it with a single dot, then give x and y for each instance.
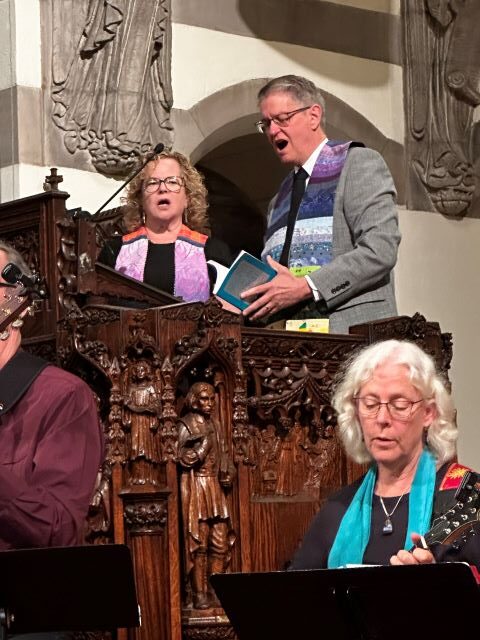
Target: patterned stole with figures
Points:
(312, 236)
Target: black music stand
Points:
(439, 601)
(84, 588)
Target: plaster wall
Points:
(28, 59)
(436, 275)
(87, 190)
(373, 88)
(20, 43)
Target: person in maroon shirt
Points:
(51, 445)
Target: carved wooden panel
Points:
(274, 421)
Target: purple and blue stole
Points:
(312, 236)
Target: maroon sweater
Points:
(51, 447)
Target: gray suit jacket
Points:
(357, 286)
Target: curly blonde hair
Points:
(195, 215)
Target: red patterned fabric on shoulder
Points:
(454, 476)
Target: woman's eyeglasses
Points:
(400, 408)
(172, 183)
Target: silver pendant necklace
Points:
(387, 528)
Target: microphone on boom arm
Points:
(77, 213)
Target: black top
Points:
(315, 547)
(160, 263)
(380, 546)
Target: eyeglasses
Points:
(400, 408)
(172, 183)
(282, 119)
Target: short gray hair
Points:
(15, 257)
(304, 91)
(442, 433)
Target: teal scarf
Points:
(348, 548)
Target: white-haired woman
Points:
(394, 412)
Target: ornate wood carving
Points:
(99, 519)
(141, 409)
(26, 242)
(45, 350)
(52, 181)
(168, 428)
(416, 328)
(274, 420)
(206, 474)
(67, 265)
(442, 74)
(115, 435)
(207, 629)
(145, 516)
(113, 110)
(207, 314)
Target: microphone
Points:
(155, 152)
(33, 284)
(13, 275)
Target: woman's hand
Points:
(418, 555)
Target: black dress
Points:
(160, 263)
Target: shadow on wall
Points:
(354, 31)
(233, 217)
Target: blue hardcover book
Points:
(246, 272)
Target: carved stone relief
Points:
(442, 91)
(111, 85)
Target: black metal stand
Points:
(85, 588)
(367, 603)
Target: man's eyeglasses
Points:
(400, 408)
(282, 119)
(172, 183)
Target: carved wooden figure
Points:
(141, 410)
(207, 472)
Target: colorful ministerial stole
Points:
(354, 531)
(312, 236)
(191, 274)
